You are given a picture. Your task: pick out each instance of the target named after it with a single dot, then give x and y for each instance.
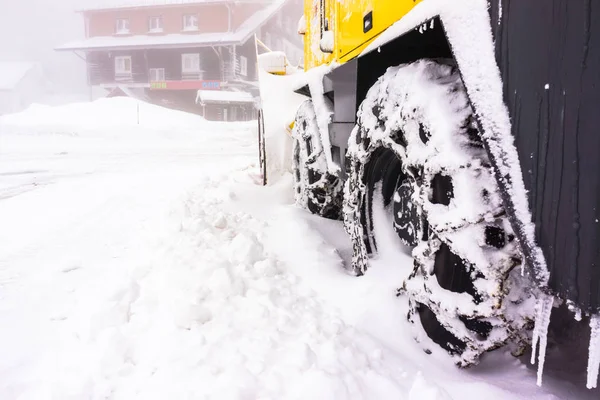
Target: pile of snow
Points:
(113, 112)
(110, 122)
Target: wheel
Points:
(416, 147)
(315, 189)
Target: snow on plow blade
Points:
(278, 102)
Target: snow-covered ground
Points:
(140, 259)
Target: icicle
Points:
(543, 309)
(594, 352)
(499, 12)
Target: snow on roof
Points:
(134, 93)
(11, 73)
(223, 96)
(151, 41)
(242, 34)
(116, 4)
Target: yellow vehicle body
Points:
(352, 24)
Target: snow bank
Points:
(110, 122)
(103, 113)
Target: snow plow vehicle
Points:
(474, 124)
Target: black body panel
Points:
(548, 52)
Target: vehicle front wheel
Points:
(416, 147)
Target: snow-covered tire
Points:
(315, 189)
(417, 139)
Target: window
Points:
(243, 66)
(157, 74)
(123, 65)
(155, 24)
(190, 22)
(190, 63)
(122, 26)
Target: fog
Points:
(31, 29)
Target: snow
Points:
(116, 4)
(327, 41)
(146, 261)
(499, 12)
(12, 72)
(302, 25)
(323, 109)
(81, 119)
(594, 352)
(257, 19)
(150, 41)
(420, 13)
(543, 310)
(575, 309)
(223, 96)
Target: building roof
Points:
(134, 93)
(97, 5)
(120, 4)
(241, 35)
(151, 41)
(12, 73)
(223, 96)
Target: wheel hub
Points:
(407, 218)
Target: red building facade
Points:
(167, 50)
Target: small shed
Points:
(226, 105)
(21, 84)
